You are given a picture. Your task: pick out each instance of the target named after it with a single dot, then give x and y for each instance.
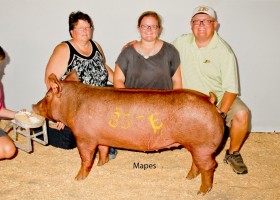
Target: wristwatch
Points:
(224, 115)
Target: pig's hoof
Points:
(192, 175)
(80, 177)
(102, 162)
(204, 190)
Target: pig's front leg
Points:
(103, 155)
(87, 158)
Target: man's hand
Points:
(129, 44)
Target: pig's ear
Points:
(72, 76)
(55, 85)
(55, 88)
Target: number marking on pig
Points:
(156, 127)
(118, 118)
(123, 120)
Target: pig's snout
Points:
(35, 109)
(39, 109)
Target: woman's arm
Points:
(177, 79)
(6, 113)
(119, 77)
(58, 65)
(111, 74)
(110, 71)
(58, 62)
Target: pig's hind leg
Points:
(203, 163)
(194, 172)
(86, 152)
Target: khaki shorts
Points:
(236, 106)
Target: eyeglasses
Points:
(204, 22)
(152, 27)
(81, 29)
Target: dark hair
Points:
(74, 17)
(2, 54)
(150, 14)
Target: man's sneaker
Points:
(236, 162)
(112, 153)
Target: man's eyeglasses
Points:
(81, 29)
(152, 27)
(204, 22)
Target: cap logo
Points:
(203, 9)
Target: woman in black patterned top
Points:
(85, 56)
(80, 53)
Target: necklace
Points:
(151, 52)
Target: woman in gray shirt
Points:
(149, 63)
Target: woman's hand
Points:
(59, 126)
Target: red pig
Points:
(136, 119)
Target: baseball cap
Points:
(204, 9)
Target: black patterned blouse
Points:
(90, 69)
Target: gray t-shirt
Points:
(153, 73)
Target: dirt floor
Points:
(48, 173)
